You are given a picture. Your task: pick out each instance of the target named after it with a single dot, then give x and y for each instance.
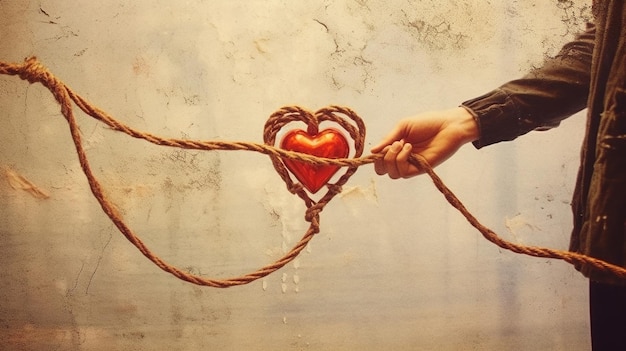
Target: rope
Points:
(33, 71)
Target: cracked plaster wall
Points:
(394, 267)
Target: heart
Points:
(329, 143)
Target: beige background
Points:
(393, 268)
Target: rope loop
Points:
(34, 72)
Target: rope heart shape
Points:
(328, 143)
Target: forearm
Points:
(539, 100)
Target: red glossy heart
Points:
(329, 143)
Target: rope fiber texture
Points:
(33, 71)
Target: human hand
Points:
(434, 135)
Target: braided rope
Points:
(34, 72)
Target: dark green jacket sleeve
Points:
(539, 100)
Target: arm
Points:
(539, 100)
(434, 135)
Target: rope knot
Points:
(313, 212)
(33, 71)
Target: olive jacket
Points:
(589, 72)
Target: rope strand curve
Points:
(33, 71)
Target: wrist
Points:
(466, 123)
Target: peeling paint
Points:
(19, 182)
(516, 226)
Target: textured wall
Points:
(394, 267)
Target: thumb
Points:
(392, 137)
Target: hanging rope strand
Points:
(34, 72)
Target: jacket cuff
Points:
(496, 115)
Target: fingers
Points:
(395, 161)
(405, 169)
(390, 158)
(379, 165)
